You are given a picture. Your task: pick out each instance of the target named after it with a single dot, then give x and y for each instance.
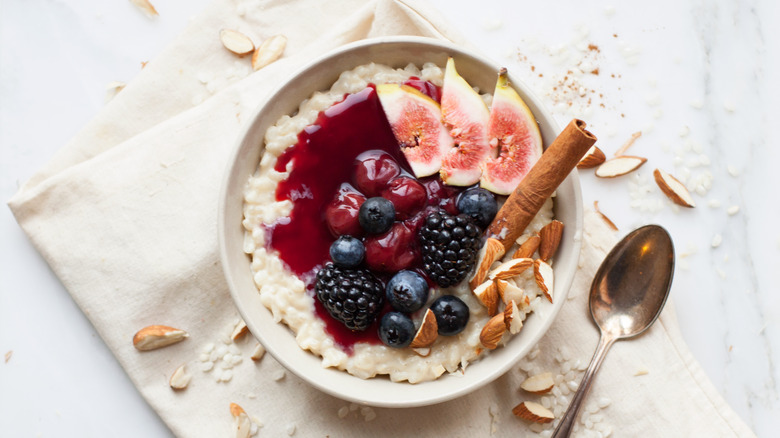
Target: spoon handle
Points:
(566, 425)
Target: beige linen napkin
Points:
(125, 215)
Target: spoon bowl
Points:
(628, 293)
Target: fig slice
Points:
(512, 129)
(416, 122)
(465, 114)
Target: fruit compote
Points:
(347, 155)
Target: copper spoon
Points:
(626, 297)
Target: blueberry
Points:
(396, 330)
(376, 215)
(347, 251)
(407, 291)
(480, 204)
(451, 313)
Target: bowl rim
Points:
(320, 378)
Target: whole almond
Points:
(619, 166)
(157, 336)
(592, 158)
(550, 236)
(428, 331)
(491, 251)
(533, 412)
(527, 248)
(673, 189)
(488, 296)
(492, 332)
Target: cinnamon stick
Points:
(545, 176)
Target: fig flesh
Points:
(513, 130)
(465, 114)
(416, 123)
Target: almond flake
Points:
(243, 422)
(422, 351)
(604, 217)
(673, 189)
(592, 158)
(527, 248)
(428, 331)
(619, 166)
(509, 292)
(539, 383)
(492, 332)
(550, 235)
(157, 336)
(628, 143)
(239, 331)
(512, 319)
(510, 269)
(533, 412)
(269, 51)
(180, 378)
(146, 7)
(258, 353)
(543, 274)
(236, 42)
(8, 355)
(491, 251)
(488, 296)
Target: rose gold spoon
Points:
(626, 297)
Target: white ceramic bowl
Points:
(277, 338)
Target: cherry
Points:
(441, 195)
(373, 170)
(407, 195)
(425, 87)
(341, 214)
(394, 250)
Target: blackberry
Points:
(352, 296)
(449, 247)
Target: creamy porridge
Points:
(288, 294)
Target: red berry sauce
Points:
(347, 155)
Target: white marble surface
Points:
(695, 77)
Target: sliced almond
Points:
(269, 51)
(508, 291)
(488, 296)
(533, 412)
(157, 336)
(604, 217)
(592, 158)
(240, 330)
(428, 331)
(527, 248)
(492, 332)
(180, 378)
(619, 166)
(628, 143)
(512, 319)
(422, 351)
(236, 42)
(673, 189)
(510, 269)
(543, 274)
(243, 422)
(491, 251)
(539, 383)
(146, 7)
(550, 235)
(258, 353)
